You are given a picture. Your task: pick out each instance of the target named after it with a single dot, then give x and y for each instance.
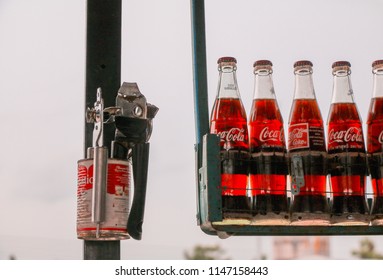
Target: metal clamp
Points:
(134, 122)
(297, 174)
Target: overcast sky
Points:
(42, 71)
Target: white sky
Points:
(42, 71)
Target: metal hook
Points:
(297, 174)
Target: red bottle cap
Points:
(303, 63)
(262, 63)
(377, 63)
(341, 68)
(341, 64)
(226, 59)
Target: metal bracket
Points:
(134, 122)
(297, 174)
(131, 101)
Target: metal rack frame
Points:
(209, 213)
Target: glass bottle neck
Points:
(342, 90)
(263, 86)
(227, 85)
(304, 86)
(377, 90)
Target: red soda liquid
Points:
(375, 126)
(229, 122)
(375, 156)
(268, 168)
(266, 127)
(306, 139)
(347, 163)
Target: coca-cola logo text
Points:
(270, 135)
(297, 133)
(299, 136)
(353, 134)
(232, 135)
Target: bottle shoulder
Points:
(228, 108)
(265, 110)
(305, 111)
(343, 113)
(375, 112)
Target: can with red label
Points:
(117, 201)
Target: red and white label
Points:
(267, 135)
(352, 134)
(298, 136)
(264, 136)
(117, 196)
(341, 137)
(233, 135)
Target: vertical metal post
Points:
(201, 108)
(199, 69)
(103, 69)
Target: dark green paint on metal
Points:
(103, 69)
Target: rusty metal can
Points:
(117, 201)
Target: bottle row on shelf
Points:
(256, 160)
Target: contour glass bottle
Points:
(346, 152)
(375, 142)
(229, 122)
(268, 167)
(307, 152)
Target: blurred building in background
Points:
(301, 247)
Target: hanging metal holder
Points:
(133, 120)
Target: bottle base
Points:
(377, 220)
(310, 219)
(271, 219)
(234, 221)
(244, 214)
(350, 219)
(350, 210)
(237, 207)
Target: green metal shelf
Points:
(209, 201)
(298, 230)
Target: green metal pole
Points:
(201, 110)
(199, 69)
(103, 69)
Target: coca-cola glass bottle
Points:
(375, 142)
(346, 152)
(268, 165)
(307, 152)
(229, 122)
